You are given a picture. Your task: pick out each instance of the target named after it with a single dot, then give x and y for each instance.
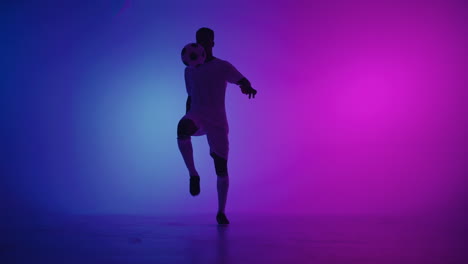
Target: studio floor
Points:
(249, 239)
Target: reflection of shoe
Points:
(222, 219)
(194, 185)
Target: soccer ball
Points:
(193, 54)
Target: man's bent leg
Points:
(185, 130)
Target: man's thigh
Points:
(218, 141)
(190, 125)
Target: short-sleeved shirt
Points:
(206, 85)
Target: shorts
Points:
(217, 135)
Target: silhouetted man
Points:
(206, 115)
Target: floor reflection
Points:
(249, 239)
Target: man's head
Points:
(205, 37)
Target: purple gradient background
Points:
(361, 106)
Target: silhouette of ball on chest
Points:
(193, 55)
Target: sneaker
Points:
(222, 219)
(194, 185)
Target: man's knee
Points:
(220, 165)
(186, 128)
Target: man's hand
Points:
(248, 90)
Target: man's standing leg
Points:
(185, 129)
(219, 148)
